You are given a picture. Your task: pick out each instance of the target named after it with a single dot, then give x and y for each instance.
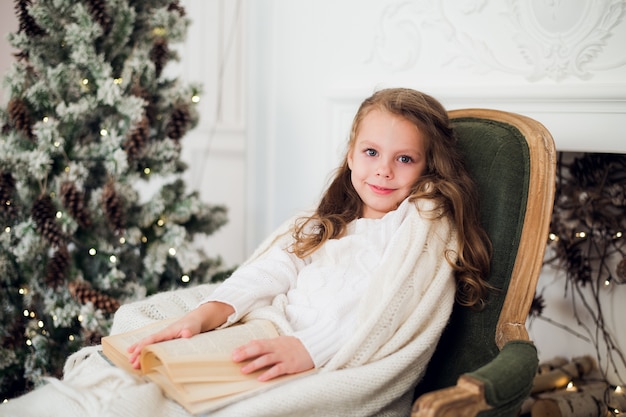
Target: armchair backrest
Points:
(512, 159)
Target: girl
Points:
(361, 289)
(401, 150)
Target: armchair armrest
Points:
(501, 385)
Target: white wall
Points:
(8, 24)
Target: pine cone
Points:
(97, 8)
(159, 54)
(175, 6)
(43, 213)
(113, 207)
(137, 140)
(19, 117)
(7, 190)
(91, 337)
(178, 123)
(74, 202)
(27, 23)
(84, 294)
(621, 272)
(150, 107)
(57, 267)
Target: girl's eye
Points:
(405, 159)
(371, 152)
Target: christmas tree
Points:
(93, 209)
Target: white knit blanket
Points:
(402, 316)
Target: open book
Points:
(197, 372)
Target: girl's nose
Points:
(383, 169)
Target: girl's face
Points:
(387, 158)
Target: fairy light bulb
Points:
(7, 229)
(195, 98)
(172, 251)
(104, 132)
(147, 171)
(185, 278)
(93, 251)
(570, 386)
(85, 81)
(113, 259)
(619, 389)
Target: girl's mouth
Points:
(380, 190)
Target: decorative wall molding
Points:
(537, 39)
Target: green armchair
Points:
(485, 363)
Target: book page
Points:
(221, 341)
(206, 357)
(115, 346)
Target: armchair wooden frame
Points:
(467, 397)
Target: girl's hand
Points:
(283, 355)
(202, 319)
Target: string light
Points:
(185, 278)
(67, 169)
(40, 324)
(122, 240)
(619, 389)
(570, 386)
(144, 239)
(7, 229)
(104, 132)
(71, 338)
(581, 235)
(85, 81)
(159, 31)
(553, 237)
(118, 81)
(160, 222)
(26, 313)
(147, 171)
(59, 215)
(29, 342)
(113, 259)
(45, 119)
(172, 251)
(92, 251)
(23, 291)
(195, 98)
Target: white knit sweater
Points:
(321, 292)
(399, 318)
